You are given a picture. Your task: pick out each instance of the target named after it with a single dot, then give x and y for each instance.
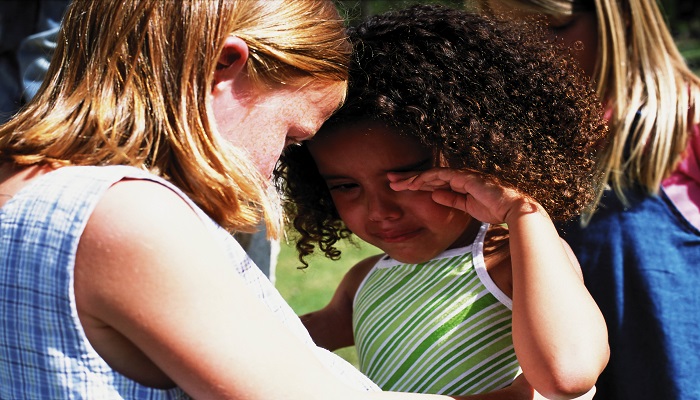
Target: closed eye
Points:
(342, 187)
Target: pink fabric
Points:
(683, 186)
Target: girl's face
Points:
(409, 226)
(265, 122)
(578, 32)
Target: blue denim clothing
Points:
(642, 266)
(28, 30)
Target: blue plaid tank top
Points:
(44, 353)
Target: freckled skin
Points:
(275, 118)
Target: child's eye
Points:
(342, 187)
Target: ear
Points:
(232, 59)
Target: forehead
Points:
(324, 90)
(324, 97)
(355, 132)
(365, 141)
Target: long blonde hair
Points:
(129, 81)
(642, 76)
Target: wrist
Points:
(523, 207)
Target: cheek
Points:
(262, 142)
(583, 39)
(266, 156)
(423, 200)
(350, 212)
(437, 214)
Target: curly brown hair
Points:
(487, 94)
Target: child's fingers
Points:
(401, 176)
(430, 180)
(418, 182)
(451, 199)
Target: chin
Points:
(409, 258)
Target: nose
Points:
(383, 206)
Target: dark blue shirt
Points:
(28, 30)
(642, 266)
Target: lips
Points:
(397, 236)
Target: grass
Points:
(310, 289)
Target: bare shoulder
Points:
(355, 275)
(140, 227)
(363, 267)
(136, 220)
(149, 272)
(133, 203)
(139, 251)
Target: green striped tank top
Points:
(438, 327)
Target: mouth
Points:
(397, 236)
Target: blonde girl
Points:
(639, 249)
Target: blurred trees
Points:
(683, 18)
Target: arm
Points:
(331, 326)
(559, 334)
(558, 330)
(148, 270)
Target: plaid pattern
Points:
(44, 353)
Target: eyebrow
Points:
(413, 167)
(426, 163)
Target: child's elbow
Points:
(563, 388)
(574, 377)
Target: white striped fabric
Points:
(437, 327)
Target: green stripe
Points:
(404, 313)
(455, 357)
(394, 309)
(423, 328)
(430, 341)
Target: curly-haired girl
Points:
(455, 126)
